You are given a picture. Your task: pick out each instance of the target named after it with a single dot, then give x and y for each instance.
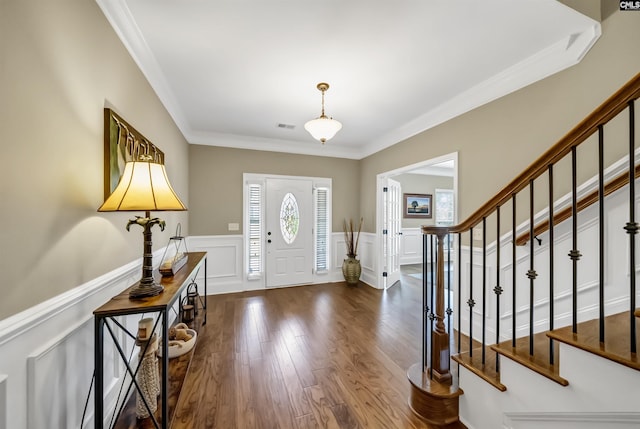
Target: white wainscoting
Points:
(3, 401)
(48, 352)
(571, 420)
(616, 275)
(56, 378)
(226, 261)
(411, 246)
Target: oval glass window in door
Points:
(289, 218)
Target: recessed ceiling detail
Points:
(396, 68)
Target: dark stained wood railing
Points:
(585, 129)
(617, 103)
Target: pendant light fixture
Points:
(324, 127)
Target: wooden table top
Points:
(123, 304)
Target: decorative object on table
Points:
(181, 340)
(324, 127)
(192, 296)
(351, 268)
(175, 254)
(144, 186)
(187, 311)
(148, 377)
(418, 206)
(145, 329)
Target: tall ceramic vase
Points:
(351, 270)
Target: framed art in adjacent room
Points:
(419, 206)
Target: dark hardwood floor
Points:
(322, 356)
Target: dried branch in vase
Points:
(351, 238)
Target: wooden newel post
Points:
(434, 392)
(440, 347)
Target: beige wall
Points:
(215, 183)
(497, 141)
(61, 65)
(422, 184)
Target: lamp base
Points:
(145, 290)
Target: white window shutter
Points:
(255, 229)
(322, 233)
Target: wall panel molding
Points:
(571, 420)
(59, 376)
(411, 246)
(3, 401)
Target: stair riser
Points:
(596, 385)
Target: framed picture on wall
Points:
(123, 143)
(417, 206)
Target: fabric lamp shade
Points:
(143, 186)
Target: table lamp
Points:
(144, 186)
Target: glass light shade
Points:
(144, 186)
(323, 128)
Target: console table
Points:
(121, 305)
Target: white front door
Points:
(392, 234)
(289, 228)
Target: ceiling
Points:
(444, 168)
(240, 73)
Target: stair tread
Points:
(616, 346)
(539, 361)
(486, 370)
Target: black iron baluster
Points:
(432, 304)
(459, 290)
(632, 228)
(551, 245)
(601, 232)
(470, 301)
(484, 286)
(448, 289)
(574, 254)
(425, 301)
(531, 274)
(498, 290)
(513, 270)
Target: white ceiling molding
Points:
(311, 147)
(563, 38)
(554, 59)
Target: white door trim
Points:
(380, 179)
(255, 178)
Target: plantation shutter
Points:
(255, 229)
(322, 233)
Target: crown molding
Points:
(557, 57)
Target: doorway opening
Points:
(435, 182)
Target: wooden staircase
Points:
(615, 349)
(437, 393)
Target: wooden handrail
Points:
(592, 198)
(600, 116)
